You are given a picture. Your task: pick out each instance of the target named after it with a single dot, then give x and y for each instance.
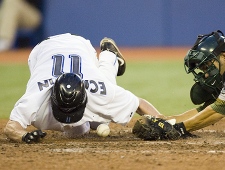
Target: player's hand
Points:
(34, 136)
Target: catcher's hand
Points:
(34, 136)
(151, 128)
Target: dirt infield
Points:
(119, 151)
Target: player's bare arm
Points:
(15, 132)
(146, 108)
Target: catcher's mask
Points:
(68, 98)
(200, 61)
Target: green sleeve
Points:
(219, 106)
(207, 103)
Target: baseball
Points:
(172, 121)
(103, 130)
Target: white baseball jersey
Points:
(64, 53)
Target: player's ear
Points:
(223, 55)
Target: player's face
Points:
(205, 67)
(222, 63)
(220, 66)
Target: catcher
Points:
(206, 61)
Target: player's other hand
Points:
(34, 136)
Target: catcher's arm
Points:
(190, 113)
(146, 108)
(184, 116)
(17, 133)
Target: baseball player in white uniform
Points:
(103, 102)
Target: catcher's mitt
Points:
(151, 128)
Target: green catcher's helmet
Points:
(204, 53)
